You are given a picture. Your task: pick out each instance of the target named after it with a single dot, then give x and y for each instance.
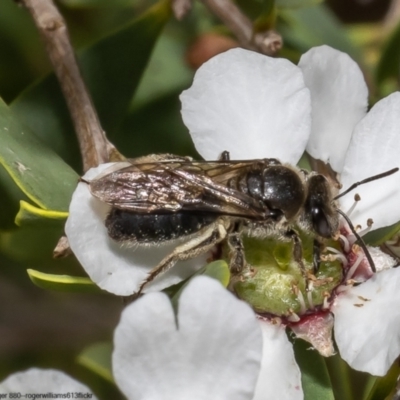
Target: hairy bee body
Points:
(148, 229)
(160, 198)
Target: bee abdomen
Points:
(154, 228)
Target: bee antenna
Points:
(370, 179)
(359, 239)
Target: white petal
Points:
(382, 260)
(114, 268)
(375, 148)
(252, 105)
(367, 323)
(339, 98)
(279, 377)
(43, 381)
(214, 353)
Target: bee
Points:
(162, 198)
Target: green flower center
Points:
(273, 283)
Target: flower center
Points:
(275, 285)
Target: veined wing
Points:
(220, 171)
(178, 184)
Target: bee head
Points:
(320, 213)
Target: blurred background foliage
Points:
(136, 59)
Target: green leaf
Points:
(314, 374)
(388, 65)
(63, 283)
(383, 386)
(31, 215)
(218, 270)
(296, 3)
(164, 134)
(33, 245)
(112, 69)
(97, 358)
(42, 107)
(22, 53)
(379, 236)
(114, 66)
(314, 26)
(10, 195)
(38, 171)
(343, 378)
(266, 19)
(252, 8)
(167, 71)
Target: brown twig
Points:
(62, 248)
(180, 8)
(268, 42)
(94, 146)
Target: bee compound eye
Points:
(320, 223)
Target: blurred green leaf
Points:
(314, 374)
(296, 3)
(381, 387)
(63, 283)
(37, 170)
(115, 65)
(32, 245)
(253, 8)
(218, 270)
(46, 180)
(31, 215)
(112, 69)
(97, 358)
(166, 73)
(389, 62)
(267, 18)
(22, 54)
(10, 195)
(379, 236)
(314, 26)
(343, 378)
(163, 134)
(42, 107)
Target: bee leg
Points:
(316, 256)
(202, 243)
(298, 253)
(237, 258)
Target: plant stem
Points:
(94, 146)
(268, 42)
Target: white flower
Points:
(212, 348)
(367, 323)
(223, 111)
(45, 382)
(356, 144)
(258, 107)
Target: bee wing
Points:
(176, 185)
